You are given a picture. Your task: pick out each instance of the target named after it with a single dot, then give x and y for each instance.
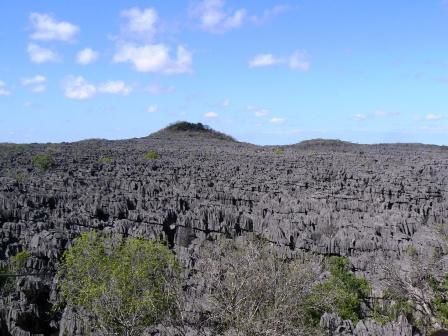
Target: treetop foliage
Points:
(124, 283)
(43, 161)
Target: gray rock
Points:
(367, 202)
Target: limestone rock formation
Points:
(367, 202)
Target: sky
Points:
(265, 72)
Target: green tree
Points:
(279, 151)
(125, 284)
(105, 160)
(152, 155)
(343, 293)
(43, 161)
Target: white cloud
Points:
(39, 79)
(263, 60)
(152, 108)
(360, 116)
(32, 105)
(86, 56)
(39, 88)
(157, 89)
(433, 117)
(269, 14)
(258, 111)
(225, 102)
(213, 17)
(384, 114)
(4, 90)
(155, 58)
(261, 112)
(211, 115)
(46, 28)
(36, 83)
(41, 55)
(141, 21)
(297, 61)
(78, 88)
(277, 120)
(115, 87)
(380, 113)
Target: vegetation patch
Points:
(279, 151)
(152, 155)
(105, 160)
(342, 293)
(187, 127)
(125, 284)
(43, 162)
(8, 272)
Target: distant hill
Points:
(323, 143)
(189, 129)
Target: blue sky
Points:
(267, 72)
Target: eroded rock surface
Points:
(367, 202)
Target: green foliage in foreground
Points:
(42, 161)
(342, 293)
(391, 307)
(440, 300)
(125, 285)
(152, 155)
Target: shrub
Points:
(152, 155)
(105, 160)
(253, 289)
(342, 293)
(19, 260)
(390, 307)
(279, 151)
(440, 300)
(42, 161)
(126, 285)
(9, 272)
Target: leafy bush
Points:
(342, 293)
(19, 260)
(14, 267)
(42, 161)
(440, 300)
(279, 151)
(126, 285)
(152, 155)
(105, 160)
(390, 307)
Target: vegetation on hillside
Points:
(187, 127)
(43, 161)
(152, 155)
